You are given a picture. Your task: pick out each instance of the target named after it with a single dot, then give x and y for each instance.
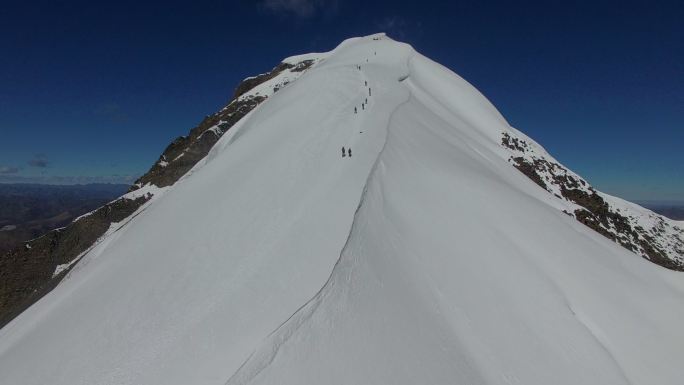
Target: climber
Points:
(343, 153)
(369, 91)
(354, 109)
(350, 152)
(363, 106)
(365, 83)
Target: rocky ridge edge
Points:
(641, 231)
(29, 272)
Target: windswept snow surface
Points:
(425, 258)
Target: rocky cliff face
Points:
(28, 211)
(641, 231)
(185, 151)
(30, 271)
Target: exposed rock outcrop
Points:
(643, 232)
(29, 272)
(185, 151)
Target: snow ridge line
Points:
(98, 241)
(304, 312)
(582, 321)
(600, 341)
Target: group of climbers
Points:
(348, 152)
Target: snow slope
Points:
(426, 258)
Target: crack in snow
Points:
(306, 311)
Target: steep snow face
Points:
(425, 257)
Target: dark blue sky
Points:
(94, 91)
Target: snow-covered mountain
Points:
(447, 248)
(30, 271)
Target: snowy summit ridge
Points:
(446, 247)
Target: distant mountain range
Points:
(671, 210)
(30, 210)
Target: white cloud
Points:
(8, 170)
(38, 160)
(399, 27)
(390, 23)
(300, 8)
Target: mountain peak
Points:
(360, 216)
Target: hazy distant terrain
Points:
(672, 211)
(29, 210)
